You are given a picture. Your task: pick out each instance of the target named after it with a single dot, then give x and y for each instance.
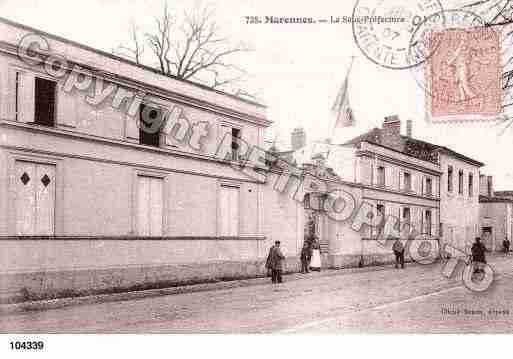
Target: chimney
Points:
(409, 128)
(489, 189)
(298, 138)
(391, 133)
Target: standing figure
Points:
(274, 262)
(478, 255)
(315, 263)
(306, 256)
(505, 245)
(398, 249)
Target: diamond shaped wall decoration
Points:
(45, 180)
(25, 178)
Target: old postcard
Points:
(255, 167)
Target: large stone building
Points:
(402, 180)
(114, 176)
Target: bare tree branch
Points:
(136, 50)
(191, 49)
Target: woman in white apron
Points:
(315, 262)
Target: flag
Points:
(341, 107)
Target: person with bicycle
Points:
(478, 255)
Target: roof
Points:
(412, 147)
(503, 193)
(494, 199)
(125, 60)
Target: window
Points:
(229, 210)
(449, 179)
(406, 219)
(460, 182)
(406, 215)
(470, 185)
(381, 176)
(35, 198)
(407, 181)
(235, 145)
(151, 120)
(428, 222)
(44, 101)
(380, 210)
(429, 186)
(149, 206)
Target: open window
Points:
(151, 121)
(429, 186)
(236, 135)
(44, 102)
(407, 181)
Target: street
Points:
(417, 299)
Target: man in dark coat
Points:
(306, 255)
(478, 254)
(274, 262)
(505, 245)
(398, 249)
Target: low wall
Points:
(378, 253)
(36, 285)
(35, 268)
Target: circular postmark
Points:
(461, 74)
(382, 29)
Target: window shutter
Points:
(26, 93)
(388, 177)
(423, 220)
(434, 223)
(171, 124)
(229, 211)
(234, 211)
(156, 206)
(131, 126)
(8, 91)
(225, 130)
(413, 180)
(66, 109)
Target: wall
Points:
(459, 213)
(498, 216)
(75, 114)
(396, 164)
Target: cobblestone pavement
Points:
(379, 300)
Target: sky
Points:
(296, 69)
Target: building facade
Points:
(408, 185)
(495, 214)
(117, 177)
(459, 200)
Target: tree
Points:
(190, 49)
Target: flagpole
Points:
(341, 96)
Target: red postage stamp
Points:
(463, 72)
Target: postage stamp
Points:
(388, 42)
(464, 72)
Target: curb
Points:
(194, 288)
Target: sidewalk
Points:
(211, 286)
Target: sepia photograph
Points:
(255, 167)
